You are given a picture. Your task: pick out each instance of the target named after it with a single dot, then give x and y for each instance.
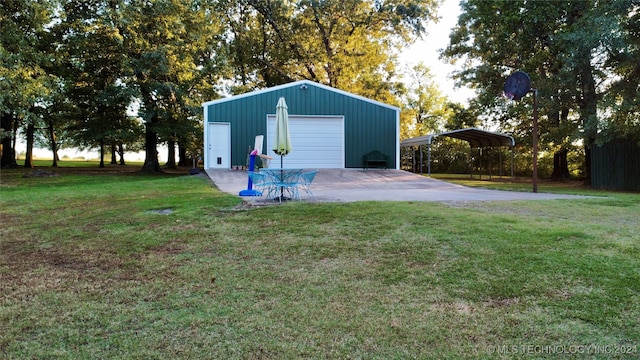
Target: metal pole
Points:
(535, 140)
(512, 158)
(421, 161)
(480, 163)
(500, 160)
(473, 163)
(490, 164)
(413, 159)
(429, 158)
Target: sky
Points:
(427, 51)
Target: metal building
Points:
(329, 128)
(616, 165)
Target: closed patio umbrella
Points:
(282, 145)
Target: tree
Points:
(563, 45)
(426, 110)
(621, 97)
(169, 45)
(95, 69)
(461, 117)
(349, 45)
(516, 38)
(616, 71)
(24, 83)
(54, 120)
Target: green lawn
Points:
(519, 184)
(90, 271)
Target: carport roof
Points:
(475, 137)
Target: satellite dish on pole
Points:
(517, 85)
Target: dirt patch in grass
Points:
(83, 263)
(501, 302)
(92, 272)
(169, 249)
(40, 173)
(29, 273)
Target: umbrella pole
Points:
(281, 187)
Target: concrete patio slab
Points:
(349, 185)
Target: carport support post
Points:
(489, 152)
(413, 160)
(420, 147)
(429, 157)
(500, 160)
(480, 163)
(512, 158)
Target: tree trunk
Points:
(587, 165)
(113, 154)
(589, 117)
(8, 157)
(587, 86)
(557, 116)
(182, 156)
(101, 153)
(171, 154)
(151, 163)
(560, 166)
(54, 145)
(28, 157)
(121, 153)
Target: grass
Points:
(89, 270)
(520, 184)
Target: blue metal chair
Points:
(306, 178)
(259, 181)
(288, 182)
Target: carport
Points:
(476, 138)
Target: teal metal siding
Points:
(368, 126)
(616, 165)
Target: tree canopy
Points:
(117, 73)
(167, 56)
(578, 54)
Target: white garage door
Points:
(316, 142)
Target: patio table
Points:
(281, 181)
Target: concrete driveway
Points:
(348, 185)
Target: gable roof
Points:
(300, 84)
(475, 137)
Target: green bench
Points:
(375, 159)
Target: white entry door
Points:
(219, 146)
